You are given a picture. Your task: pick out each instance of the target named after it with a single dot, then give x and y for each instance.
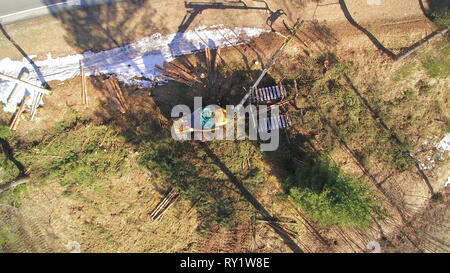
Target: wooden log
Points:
(35, 105)
(216, 58)
(177, 73)
(167, 205)
(160, 205)
(182, 73)
(208, 58)
(113, 96)
(119, 92)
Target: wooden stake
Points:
(208, 58)
(16, 119)
(35, 105)
(84, 97)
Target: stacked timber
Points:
(177, 73)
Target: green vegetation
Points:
(441, 16)
(344, 114)
(77, 152)
(188, 167)
(404, 72)
(436, 67)
(5, 132)
(7, 236)
(436, 62)
(330, 197)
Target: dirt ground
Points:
(70, 33)
(116, 219)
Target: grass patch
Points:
(77, 152)
(188, 167)
(8, 235)
(437, 63)
(404, 72)
(436, 67)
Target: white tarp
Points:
(127, 62)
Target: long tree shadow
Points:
(372, 38)
(8, 151)
(26, 56)
(250, 198)
(406, 51)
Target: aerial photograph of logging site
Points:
(256, 126)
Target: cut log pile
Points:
(179, 74)
(164, 205)
(116, 94)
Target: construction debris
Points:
(24, 83)
(268, 93)
(164, 205)
(24, 74)
(293, 32)
(274, 123)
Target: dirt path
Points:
(101, 28)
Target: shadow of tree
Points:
(250, 198)
(26, 56)
(405, 52)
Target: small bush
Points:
(5, 132)
(441, 17)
